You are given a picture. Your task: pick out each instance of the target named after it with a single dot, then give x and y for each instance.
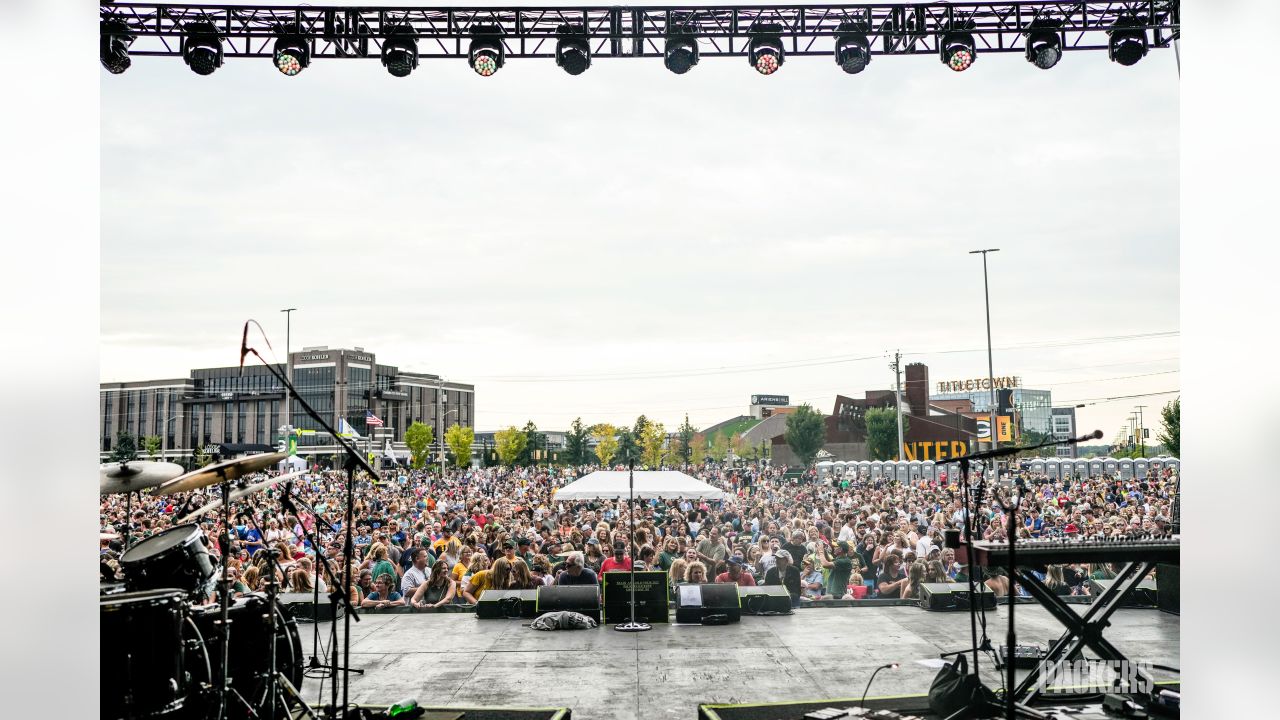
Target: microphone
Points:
(244, 348)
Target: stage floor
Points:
(457, 660)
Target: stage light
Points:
(958, 51)
(1044, 46)
(853, 50)
(572, 52)
(292, 54)
(113, 45)
(486, 54)
(1128, 43)
(765, 50)
(400, 50)
(681, 53)
(202, 48)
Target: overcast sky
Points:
(540, 235)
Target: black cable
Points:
(863, 701)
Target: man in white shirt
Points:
(848, 533)
(416, 575)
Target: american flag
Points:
(371, 420)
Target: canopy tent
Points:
(293, 462)
(613, 485)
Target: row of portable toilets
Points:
(1055, 468)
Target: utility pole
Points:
(897, 399)
(991, 373)
(288, 396)
(1142, 431)
(440, 423)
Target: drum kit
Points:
(168, 653)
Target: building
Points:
(1064, 428)
(1034, 408)
(226, 412)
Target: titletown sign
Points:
(1002, 383)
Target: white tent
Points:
(612, 484)
(293, 462)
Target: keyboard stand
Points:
(1081, 631)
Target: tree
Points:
(151, 445)
(806, 433)
(533, 440)
(628, 448)
(738, 446)
(637, 430)
(684, 437)
(459, 440)
(1034, 437)
(606, 437)
(419, 437)
(575, 443)
(1171, 432)
(126, 448)
(882, 432)
(653, 440)
(719, 449)
(510, 443)
(699, 452)
(199, 458)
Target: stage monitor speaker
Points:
(709, 604)
(765, 600)
(953, 596)
(652, 596)
(304, 611)
(584, 599)
(1167, 589)
(503, 604)
(1142, 596)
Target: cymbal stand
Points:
(224, 688)
(272, 583)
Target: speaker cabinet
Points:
(953, 596)
(503, 604)
(584, 599)
(1167, 589)
(765, 600)
(304, 611)
(713, 603)
(1142, 596)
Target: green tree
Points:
(719, 448)
(1034, 437)
(698, 455)
(629, 449)
(882, 432)
(533, 440)
(684, 438)
(653, 442)
(806, 433)
(1171, 427)
(575, 443)
(510, 444)
(459, 439)
(606, 437)
(199, 458)
(151, 445)
(126, 448)
(637, 430)
(419, 437)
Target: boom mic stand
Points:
(632, 625)
(354, 462)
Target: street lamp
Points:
(440, 422)
(991, 373)
(288, 397)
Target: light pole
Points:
(164, 435)
(991, 373)
(440, 422)
(288, 398)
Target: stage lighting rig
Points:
(681, 53)
(958, 50)
(486, 54)
(292, 54)
(1128, 43)
(113, 45)
(572, 51)
(853, 50)
(400, 50)
(202, 47)
(1044, 44)
(765, 50)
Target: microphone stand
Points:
(354, 462)
(632, 625)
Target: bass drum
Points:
(175, 558)
(150, 650)
(249, 659)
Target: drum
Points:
(249, 659)
(175, 558)
(149, 649)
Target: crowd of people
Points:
(424, 540)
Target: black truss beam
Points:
(893, 29)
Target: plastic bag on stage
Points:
(563, 620)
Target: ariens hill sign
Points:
(1002, 383)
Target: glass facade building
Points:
(1034, 406)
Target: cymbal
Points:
(216, 473)
(108, 536)
(135, 475)
(240, 493)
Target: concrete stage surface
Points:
(457, 660)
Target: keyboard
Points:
(1054, 552)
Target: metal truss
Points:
(893, 29)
